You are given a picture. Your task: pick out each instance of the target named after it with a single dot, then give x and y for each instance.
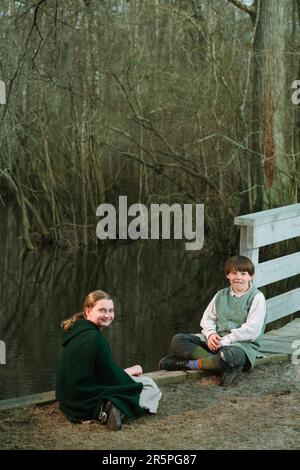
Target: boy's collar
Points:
(235, 294)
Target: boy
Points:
(232, 325)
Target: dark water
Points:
(158, 290)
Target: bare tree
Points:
(269, 166)
(165, 100)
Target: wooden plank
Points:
(291, 324)
(162, 377)
(269, 216)
(282, 305)
(284, 333)
(284, 339)
(251, 253)
(37, 398)
(271, 359)
(291, 332)
(294, 328)
(276, 347)
(274, 232)
(287, 330)
(277, 269)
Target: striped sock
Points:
(199, 351)
(193, 364)
(213, 362)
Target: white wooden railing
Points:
(261, 229)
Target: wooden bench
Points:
(262, 229)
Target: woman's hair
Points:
(89, 302)
(239, 263)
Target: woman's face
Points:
(102, 313)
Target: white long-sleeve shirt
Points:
(248, 331)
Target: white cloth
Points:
(248, 331)
(150, 395)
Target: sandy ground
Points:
(260, 412)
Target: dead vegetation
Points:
(260, 412)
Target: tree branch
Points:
(22, 59)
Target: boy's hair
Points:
(239, 263)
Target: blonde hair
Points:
(89, 302)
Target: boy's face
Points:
(239, 280)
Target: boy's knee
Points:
(179, 343)
(178, 339)
(232, 356)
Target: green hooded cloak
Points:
(87, 375)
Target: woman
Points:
(89, 384)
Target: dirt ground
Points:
(260, 412)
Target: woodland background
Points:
(162, 100)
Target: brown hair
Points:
(89, 301)
(239, 263)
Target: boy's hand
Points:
(135, 371)
(213, 342)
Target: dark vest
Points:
(232, 312)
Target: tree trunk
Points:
(269, 167)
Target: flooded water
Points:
(159, 290)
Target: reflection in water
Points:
(158, 290)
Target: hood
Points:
(78, 327)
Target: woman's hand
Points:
(135, 371)
(213, 342)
